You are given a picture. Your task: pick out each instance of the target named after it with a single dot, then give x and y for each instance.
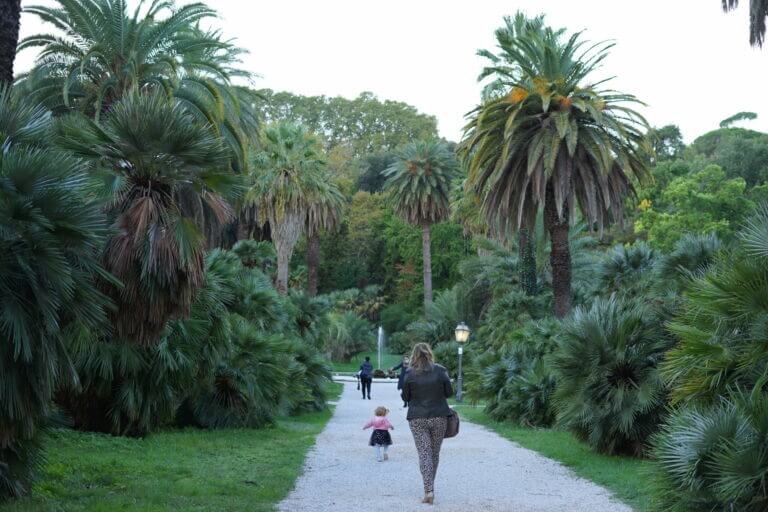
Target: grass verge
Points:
(628, 478)
(189, 470)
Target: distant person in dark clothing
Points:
(403, 367)
(366, 377)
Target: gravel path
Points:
(479, 470)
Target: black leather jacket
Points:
(427, 392)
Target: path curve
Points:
(479, 470)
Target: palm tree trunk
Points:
(286, 232)
(560, 255)
(527, 262)
(426, 248)
(283, 262)
(313, 262)
(10, 16)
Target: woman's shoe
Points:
(429, 498)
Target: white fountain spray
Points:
(380, 343)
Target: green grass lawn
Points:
(628, 478)
(184, 470)
(387, 361)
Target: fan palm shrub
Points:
(255, 254)
(287, 179)
(628, 269)
(722, 327)
(442, 317)
(307, 316)
(714, 457)
(51, 232)
(347, 334)
(551, 139)
(249, 385)
(518, 385)
(609, 391)
(164, 172)
(263, 367)
(103, 53)
(419, 184)
(692, 256)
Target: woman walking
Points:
(426, 388)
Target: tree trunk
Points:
(285, 233)
(313, 262)
(283, 262)
(426, 243)
(560, 255)
(10, 16)
(527, 262)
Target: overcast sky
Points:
(690, 62)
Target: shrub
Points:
(395, 318)
(50, 237)
(627, 269)
(347, 334)
(447, 355)
(518, 386)
(692, 256)
(399, 343)
(723, 326)
(609, 391)
(715, 458)
(509, 313)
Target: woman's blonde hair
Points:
(422, 357)
(381, 411)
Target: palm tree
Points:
(420, 186)
(287, 181)
(50, 237)
(758, 12)
(552, 142)
(166, 173)
(105, 53)
(324, 213)
(10, 15)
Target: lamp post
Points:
(462, 335)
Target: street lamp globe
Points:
(462, 332)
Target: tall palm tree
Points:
(420, 186)
(50, 238)
(758, 12)
(105, 52)
(164, 171)
(287, 180)
(323, 213)
(10, 15)
(553, 141)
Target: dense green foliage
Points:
(363, 125)
(157, 241)
(713, 457)
(50, 234)
(606, 364)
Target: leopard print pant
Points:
(428, 434)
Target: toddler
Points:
(380, 437)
